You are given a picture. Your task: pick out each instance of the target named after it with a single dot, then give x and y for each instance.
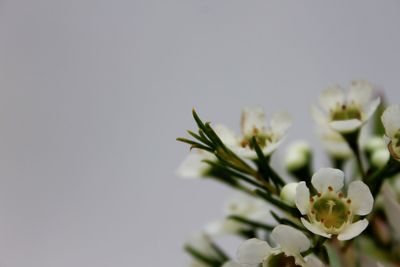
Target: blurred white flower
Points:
(347, 113)
(290, 244)
(253, 124)
(392, 207)
(231, 264)
(297, 155)
(240, 205)
(330, 212)
(332, 141)
(391, 122)
(193, 165)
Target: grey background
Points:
(93, 94)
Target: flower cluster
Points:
(305, 217)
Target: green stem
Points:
(251, 222)
(352, 140)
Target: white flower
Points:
(330, 212)
(333, 142)
(392, 207)
(240, 205)
(193, 166)
(347, 113)
(231, 264)
(297, 155)
(290, 244)
(253, 124)
(391, 122)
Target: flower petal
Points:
(392, 207)
(370, 108)
(326, 177)
(252, 118)
(360, 92)
(346, 126)
(353, 230)
(314, 229)
(280, 122)
(252, 252)
(231, 264)
(226, 135)
(193, 165)
(391, 120)
(362, 200)
(291, 240)
(313, 261)
(302, 197)
(331, 97)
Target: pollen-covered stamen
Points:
(331, 211)
(263, 139)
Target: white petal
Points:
(345, 126)
(226, 135)
(362, 200)
(231, 264)
(353, 230)
(302, 197)
(360, 92)
(318, 116)
(193, 167)
(291, 240)
(392, 207)
(252, 118)
(313, 261)
(370, 108)
(312, 228)
(280, 122)
(391, 120)
(252, 252)
(272, 147)
(326, 177)
(331, 97)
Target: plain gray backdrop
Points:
(94, 93)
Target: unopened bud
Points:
(380, 157)
(297, 156)
(288, 194)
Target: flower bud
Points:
(375, 143)
(380, 157)
(297, 156)
(288, 194)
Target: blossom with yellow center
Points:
(330, 212)
(347, 113)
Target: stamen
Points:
(348, 201)
(330, 188)
(340, 195)
(319, 194)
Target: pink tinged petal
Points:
(331, 97)
(302, 197)
(371, 108)
(226, 135)
(391, 120)
(327, 177)
(231, 264)
(314, 229)
(360, 92)
(252, 118)
(281, 122)
(362, 200)
(252, 252)
(392, 208)
(346, 126)
(291, 240)
(353, 230)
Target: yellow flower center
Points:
(331, 210)
(345, 112)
